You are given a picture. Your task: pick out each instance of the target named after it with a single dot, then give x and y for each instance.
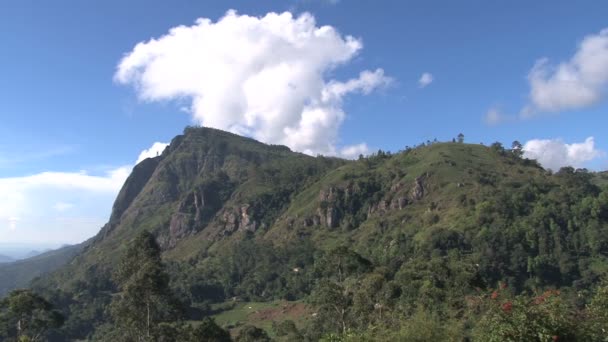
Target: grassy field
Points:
(261, 314)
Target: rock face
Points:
(399, 203)
(214, 183)
(328, 213)
(332, 218)
(133, 186)
(401, 197)
(194, 211)
(246, 221)
(239, 219)
(418, 189)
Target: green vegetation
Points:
(443, 241)
(19, 274)
(145, 299)
(26, 316)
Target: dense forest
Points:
(445, 241)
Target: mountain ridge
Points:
(236, 218)
(4, 259)
(19, 273)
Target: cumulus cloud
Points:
(425, 79)
(29, 195)
(353, 151)
(554, 153)
(577, 83)
(265, 77)
(30, 205)
(62, 206)
(12, 223)
(494, 116)
(155, 150)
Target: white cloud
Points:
(495, 116)
(12, 223)
(425, 80)
(63, 206)
(265, 77)
(577, 83)
(554, 153)
(155, 150)
(353, 151)
(30, 205)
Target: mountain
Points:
(18, 274)
(206, 186)
(4, 259)
(422, 230)
(34, 253)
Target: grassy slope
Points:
(261, 314)
(453, 170)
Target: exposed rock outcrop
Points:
(193, 213)
(239, 219)
(401, 196)
(418, 189)
(330, 199)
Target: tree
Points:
(146, 299)
(460, 138)
(287, 331)
(249, 333)
(206, 331)
(333, 295)
(517, 149)
(498, 148)
(26, 316)
(342, 262)
(334, 304)
(546, 317)
(597, 312)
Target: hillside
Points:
(207, 185)
(19, 274)
(4, 259)
(421, 230)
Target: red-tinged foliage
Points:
(507, 307)
(494, 295)
(539, 300)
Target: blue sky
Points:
(72, 127)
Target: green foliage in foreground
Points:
(500, 316)
(146, 309)
(26, 316)
(145, 299)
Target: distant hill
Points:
(5, 259)
(19, 274)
